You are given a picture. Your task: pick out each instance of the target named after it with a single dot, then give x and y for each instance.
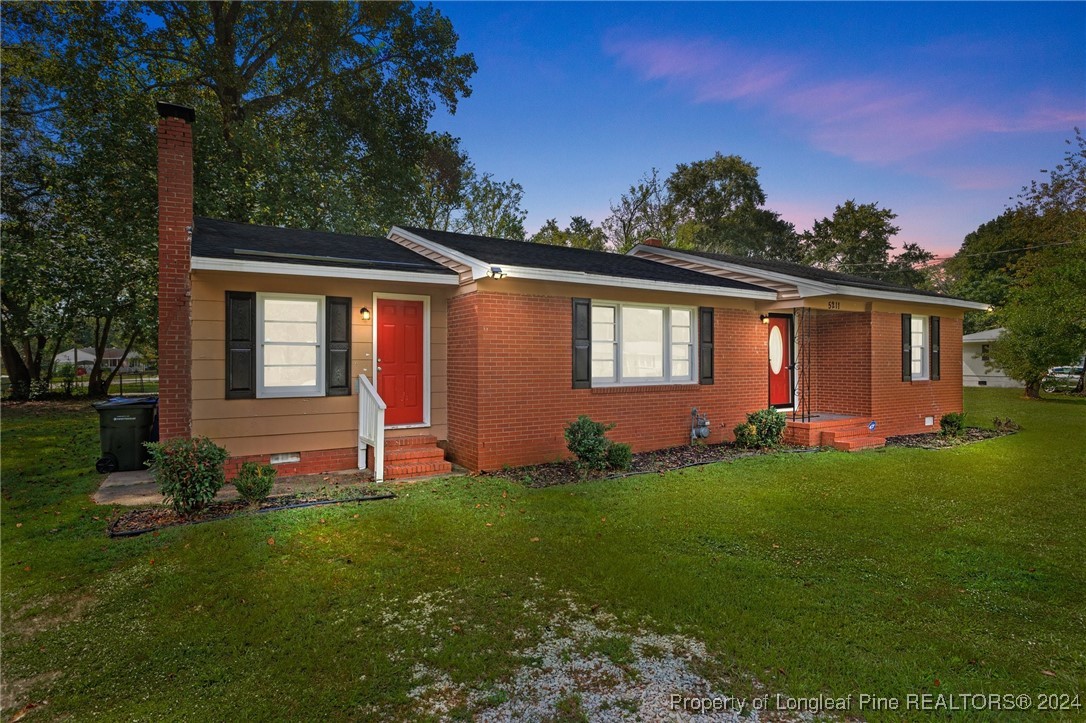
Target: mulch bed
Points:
(149, 519)
(661, 460)
(935, 440)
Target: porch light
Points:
(495, 272)
(764, 318)
(365, 312)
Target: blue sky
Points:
(940, 112)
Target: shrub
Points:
(588, 442)
(254, 481)
(188, 471)
(952, 424)
(1005, 425)
(619, 456)
(764, 428)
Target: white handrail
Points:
(371, 427)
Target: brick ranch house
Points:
(284, 345)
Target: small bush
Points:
(952, 424)
(254, 481)
(619, 456)
(588, 442)
(1005, 425)
(764, 428)
(188, 471)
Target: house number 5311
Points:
(832, 305)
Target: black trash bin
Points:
(124, 425)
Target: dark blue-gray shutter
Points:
(705, 345)
(240, 344)
(933, 331)
(337, 337)
(582, 343)
(906, 347)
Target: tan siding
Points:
(297, 424)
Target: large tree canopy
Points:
(311, 115)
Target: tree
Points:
(445, 173)
(644, 211)
(1045, 316)
(579, 234)
(856, 240)
(492, 208)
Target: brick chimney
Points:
(652, 241)
(174, 264)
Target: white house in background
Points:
(974, 355)
(110, 358)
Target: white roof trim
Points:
(478, 268)
(581, 277)
(808, 287)
(245, 266)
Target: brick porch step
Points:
(415, 456)
(855, 444)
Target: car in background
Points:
(1061, 379)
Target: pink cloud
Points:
(869, 119)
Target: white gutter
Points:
(245, 266)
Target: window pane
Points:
(603, 323)
(680, 352)
(290, 376)
(603, 352)
(680, 334)
(603, 314)
(918, 324)
(680, 317)
(603, 332)
(290, 355)
(604, 369)
(680, 370)
(642, 343)
(290, 331)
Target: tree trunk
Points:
(1033, 390)
(101, 337)
(120, 362)
(1080, 388)
(18, 374)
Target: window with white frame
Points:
(639, 344)
(919, 346)
(290, 345)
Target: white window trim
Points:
(925, 356)
(618, 380)
(426, 419)
(278, 392)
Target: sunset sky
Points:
(940, 112)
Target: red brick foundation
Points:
(511, 395)
(315, 462)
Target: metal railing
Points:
(371, 427)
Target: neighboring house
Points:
(975, 372)
(482, 349)
(111, 357)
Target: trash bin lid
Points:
(119, 402)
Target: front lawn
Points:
(896, 572)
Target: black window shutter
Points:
(582, 343)
(240, 344)
(705, 345)
(906, 347)
(337, 336)
(933, 331)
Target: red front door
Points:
(780, 361)
(400, 363)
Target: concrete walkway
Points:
(138, 489)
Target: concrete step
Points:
(404, 470)
(855, 444)
(830, 436)
(413, 453)
(418, 440)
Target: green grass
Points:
(879, 572)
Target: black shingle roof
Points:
(812, 274)
(561, 258)
(243, 241)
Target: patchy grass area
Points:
(893, 572)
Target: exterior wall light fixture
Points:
(495, 272)
(365, 312)
(764, 318)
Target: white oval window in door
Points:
(776, 349)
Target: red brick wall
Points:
(900, 407)
(510, 369)
(840, 364)
(314, 462)
(174, 296)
